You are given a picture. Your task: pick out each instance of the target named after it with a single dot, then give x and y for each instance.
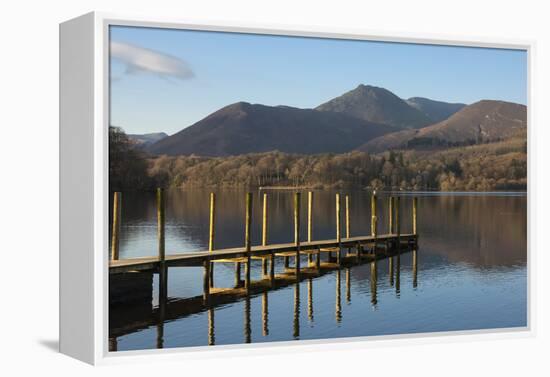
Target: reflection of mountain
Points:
(478, 230)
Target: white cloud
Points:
(142, 60)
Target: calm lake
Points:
(471, 269)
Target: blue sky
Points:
(166, 80)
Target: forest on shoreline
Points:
(484, 167)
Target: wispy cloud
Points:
(139, 60)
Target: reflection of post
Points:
(415, 268)
(338, 311)
(265, 315)
(373, 282)
(163, 279)
(398, 274)
(390, 259)
(348, 286)
(160, 334)
(296, 327)
(211, 333)
(264, 233)
(247, 236)
(211, 234)
(247, 326)
(310, 224)
(297, 232)
(310, 299)
(338, 230)
(115, 240)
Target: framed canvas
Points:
(228, 188)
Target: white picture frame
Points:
(84, 105)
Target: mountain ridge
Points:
(242, 128)
(482, 122)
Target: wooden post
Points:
(297, 232)
(338, 230)
(212, 221)
(272, 268)
(414, 212)
(390, 215)
(374, 218)
(163, 270)
(117, 209)
(161, 224)
(310, 223)
(247, 241)
(398, 224)
(264, 233)
(264, 221)
(206, 281)
(347, 218)
(237, 274)
(211, 234)
(318, 260)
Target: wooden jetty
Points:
(338, 252)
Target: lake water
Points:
(471, 269)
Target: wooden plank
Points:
(196, 258)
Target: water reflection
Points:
(296, 322)
(373, 283)
(473, 259)
(338, 312)
(310, 300)
(265, 315)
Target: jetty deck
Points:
(189, 259)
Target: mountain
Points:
(147, 139)
(377, 105)
(437, 111)
(482, 122)
(248, 128)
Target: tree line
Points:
(497, 166)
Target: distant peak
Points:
(368, 87)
